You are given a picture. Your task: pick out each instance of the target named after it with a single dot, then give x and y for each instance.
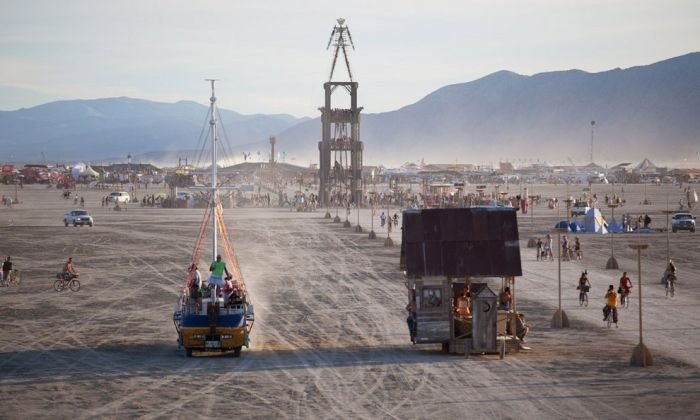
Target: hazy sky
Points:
(271, 56)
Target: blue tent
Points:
(615, 227)
(574, 226)
(562, 225)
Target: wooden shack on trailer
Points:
(444, 253)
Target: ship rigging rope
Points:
(225, 145)
(201, 142)
(228, 249)
(226, 149)
(234, 269)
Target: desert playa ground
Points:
(330, 339)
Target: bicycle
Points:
(61, 283)
(624, 300)
(670, 287)
(583, 296)
(13, 279)
(610, 317)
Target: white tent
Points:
(90, 172)
(593, 222)
(646, 167)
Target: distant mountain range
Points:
(109, 129)
(646, 111)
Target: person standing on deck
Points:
(216, 278)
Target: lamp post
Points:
(373, 235)
(641, 355)
(336, 219)
(358, 228)
(668, 241)
(612, 262)
(559, 320)
(532, 242)
(568, 202)
(388, 242)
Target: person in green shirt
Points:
(216, 278)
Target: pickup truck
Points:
(78, 217)
(682, 221)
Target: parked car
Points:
(118, 197)
(683, 221)
(579, 208)
(78, 217)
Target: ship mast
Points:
(214, 188)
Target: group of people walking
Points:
(545, 249)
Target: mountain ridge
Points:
(646, 110)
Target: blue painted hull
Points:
(228, 321)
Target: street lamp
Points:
(612, 262)
(559, 320)
(668, 243)
(358, 228)
(373, 235)
(568, 202)
(532, 242)
(336, 219)
(641, 355)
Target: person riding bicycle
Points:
(69, 272)
(670, 273)
(583, 284)
(625, 288)
(611, 305)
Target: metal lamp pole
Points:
(668, 242)
(373, 235)
(532, 242)
(568, 202)
(358, 228)
(559, 320)
(641, 355)
(612, 262)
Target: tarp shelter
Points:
(614, 227)
(575, 226)
(563, 225)
(593, 222)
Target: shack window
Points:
(431, 297)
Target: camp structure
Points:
(593, 222)
(446, 255)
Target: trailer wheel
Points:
(188, 352)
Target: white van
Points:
(118, 197)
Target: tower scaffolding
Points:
(340, 128)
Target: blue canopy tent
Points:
(614, 227)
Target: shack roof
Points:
(477, 241)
